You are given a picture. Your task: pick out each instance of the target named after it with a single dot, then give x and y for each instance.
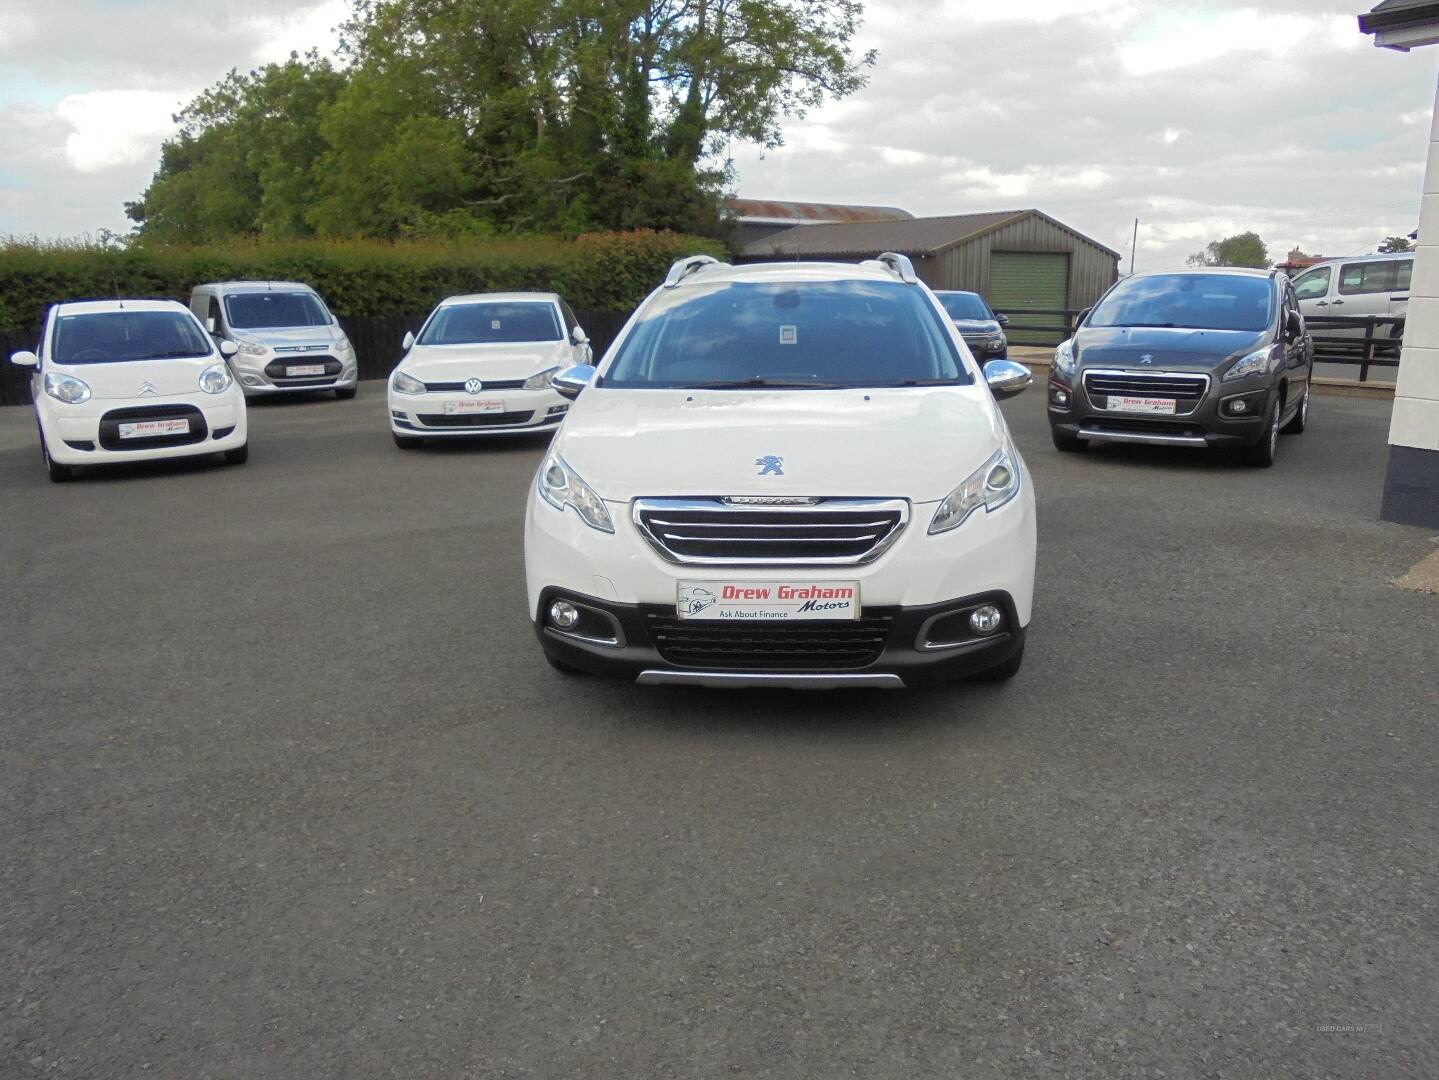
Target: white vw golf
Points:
(132, 380)
(785, 475)
(482, 365)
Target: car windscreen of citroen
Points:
(787, 475)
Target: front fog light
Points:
(564, 614)
(985, 620)
(1238, 407)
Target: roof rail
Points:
(897, 264)
(687, 266)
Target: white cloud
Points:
(116, 127)
(298, 30)
(1172, 41)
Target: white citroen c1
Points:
(483, 365)
(790, 474)
(132, 380)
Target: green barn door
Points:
(1027, 280)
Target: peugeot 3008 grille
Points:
(764, 532)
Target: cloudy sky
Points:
(1201, 119)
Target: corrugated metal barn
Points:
(755, 219)
(1018, 260)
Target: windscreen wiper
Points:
(914, 382)
(173, 354)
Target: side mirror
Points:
(24, 358)
(571, 381)
(1006, 378)
(578, 335)
(409, 342)
(210, 324)
(1292, 323)
(228, 349)
(1003, 320)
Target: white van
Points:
(286, 338)
(1356, 286)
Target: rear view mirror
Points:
(228, 348)
(24, 358)
(1006, 378)
(1003, 320)
(409, 342)
(571, 381)
(1292, 323)
(210, 324)
(579, 336)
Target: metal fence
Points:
(376, 339)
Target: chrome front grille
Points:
(1187, 389)
(756, 532)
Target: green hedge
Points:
(601, 271)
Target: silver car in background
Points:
(286, 339)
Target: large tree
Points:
(1242, 249)
(494, 115)
(244, 160)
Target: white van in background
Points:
(286, 338)
(1357, 286)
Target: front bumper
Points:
(88, 434)
(257, 374)
(525, 412)
(631, 645)
(1083, 415)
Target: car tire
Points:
(345, 393)
(407, 442)
(1261, 455)
(560, 666)
(1005, 671)
(1068, 444)
(59, 474)
(238, 456)
(1300, 420)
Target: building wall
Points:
(966, 266)
(1411, 486)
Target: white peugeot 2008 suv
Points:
(132, 380)
(784, 475)
(482, 365)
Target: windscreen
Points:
(273, 310)
(816, 334)
(1191, 301)
(114, 337)
(492, 323)
(964, 305)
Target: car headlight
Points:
(215, 379)
(249, 348)
(560, 486)
(543, 381)
(406, 384)
(1064, 357)
(343, 345)
(1259, 362)
(66, 388)
(991, 485)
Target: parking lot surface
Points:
(290, 792)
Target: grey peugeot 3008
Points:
(1212, 357)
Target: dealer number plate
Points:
(1130, 403)
(147, 429)
(768, 600)
(470, 408)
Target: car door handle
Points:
(1321, 303)
(1338, 302)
